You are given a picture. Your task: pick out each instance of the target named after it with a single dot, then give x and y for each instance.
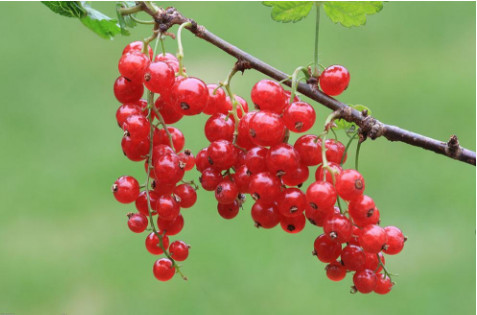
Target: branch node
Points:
(453, 146)
(242, 65)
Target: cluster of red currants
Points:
(248, 154)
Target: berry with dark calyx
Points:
(292, 202)
(216, 102)
(365, 280)
(297, 177)
(383, 284)
(168, 169)
(293, 224)
(126, 110)
(167, 207)
(265, 215)
(353, 257)
(137, 46)
(125, 189)
(317, 216)
(221, 154)
(266, 128)
(228, 211)
(321, 195)
(320, 173)
(153, 243)
(165, 107)
(269, 95)
(163, 189)
(210, 178)
(137, 222)
(190, 95)
(133, 65)
(335, 271)
(219, 127)
(282, 159)
(188, 159)
(255, 159)
(349, 184)
(395, 240)
(363, 211)
(137, 127)
(242, 178)
(372, 238)
(243, 138)
(309, 150)
(338, 228)
(335, 151)
(159, 77)
(164, 269)
(179, 250)
(299, 116)
(135, 150)
(265, 187)
(161, 137)
(334, 80)
(171, 227)
(142, 202)
(226, 192)
(186, 194)
(325, 249)
(127, 91)
(202, 161)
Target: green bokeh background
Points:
(65, 247)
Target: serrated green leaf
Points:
(66, 8)
(349, 127)
(125, 21)
(289, 11)
(351, 13)
(99, 23)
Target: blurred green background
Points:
(65, 246)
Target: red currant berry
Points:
(216, 103)
(133, 65)
(168, 112)
(265, 187)
(188, 159)
(309, 150)
(137, 127)
(210, 178)
(321, 174)
(137, 222)
(161, 137)
(186, 194)
(353, 257)
(265, 215)
(266, 128)
(219, 127)
(167, 207)
(153, 243)
(190, 95)
(126, 110)
(171, 227)
(242, 106)
(137, 46)
(338, 228)
(179, 250)
(372, 262)
(164, 269)
(335, 271)
(363, 211)
(242, 178)
(299, 116)
(202, 161)
(372, 238)
(228, 211)
(293, 224)
(135, 150)
(349, 184)
(383, 284)
(325, 249)
(221, 154)
(292, 202)
(163, 189)
(170, 59)
(365, 280)
(269, 95)
(317, 216)
(226, 192)
(127, 91)
(395, 240)
(255, 159)
(168, 169)
(334, 80)
(321, 195)
(159, 150)
(142, 204)
(159, 77)
(125, 189)
(297, 177)
(335, 151)
(282, 159)
(243, 138)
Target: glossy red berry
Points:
(265, 187)
(153, 243)
(161, 137)
(335, 151)
(282, 159)
(125, 189)
(135, 150)
(349, 184)
(321, 174)
(309, 150)
(334, 80)
(167, 207)
(299, 116)
(293, 224)
(292, 202)
(133, 65)
(221, 154)
(228, 211)
(164, 269)
(137, 222)
(372, 262)
(383, 284)
(317, 216)
(168, 169)
(326, 249)
(187, 195)
(353, 257)
(127, 91)
(265, 215)
(142, 202)
(187, 158)
(179, 250)
(167, 110)
(190, 95)
(137, 127)
(335, 271)
(242, 178)
(219, 127)
(269, 95)
(171, 227)
(202, 161)
(170, 59)
(321, 195)
(363, 211)
(266, 128)
(216, 103)
(226, 192)
(137, 46)
(338, 228)
(126, 110)
(255, 159)
(244, 139)
(242, 105)
(365, 280)
(372, 238)
(296, 177)
(395, 240)
(159, 78)
(210, 178)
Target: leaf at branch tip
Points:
(99, 23)
(289, 11)
(66, 8)
(351, 13)
(125, 21)
(342, 124)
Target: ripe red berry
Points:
(186, 194)
(335, 151)
(243, 138)
(321, 195)
(265, 215)
(372, 262)
(266, 128)
(363, 211)
(179, 250)
(265, 187)
(202, 161)
(282, 159)
(269, 95)
(167, 207)
(153, 243)
(335, 271)
(125, 189)
(299, 116)
(242, 105)
(226, 192)
(338, 228)
(228, 211)
(242, 178)
(167, 110)
(219, 127)
(164, 269)
(317, 216)
(353, 257)
(126, 110)
(349, 184)
(210, 178)
(170, 59)
(137, 223)
(188, 159)
(372, 238)
(365, 280)
(383, 284)
(395, 240)
(326, 249)
(255, 159)
(320, 174)
(159, 77)
(309, 150)
(137, 127)
(133, 65)
(221, 154)
(171, 227)
(334, 80)
(293, 224)
(297, 177)
(190, 95)
(142, 204)
(292, 202)
(137, 46)
(135, 150)
(216, 103)
(127, 91)
(168, 169)
(161, 137)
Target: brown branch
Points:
(369, 126)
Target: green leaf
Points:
(289, 11)
(125, 21)
(99, 23)
(350, 127)
(351, 13)
(66, 8)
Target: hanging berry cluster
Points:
(248, 154)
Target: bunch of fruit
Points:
(248, 153)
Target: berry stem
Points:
(180, 52)
(295, 81)
(226, 85)
(316, 71)
(386, 272)
(164, 126)
(356, 158)
(347, 146)
(131, 10)
(322, 136)
(141, 21)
